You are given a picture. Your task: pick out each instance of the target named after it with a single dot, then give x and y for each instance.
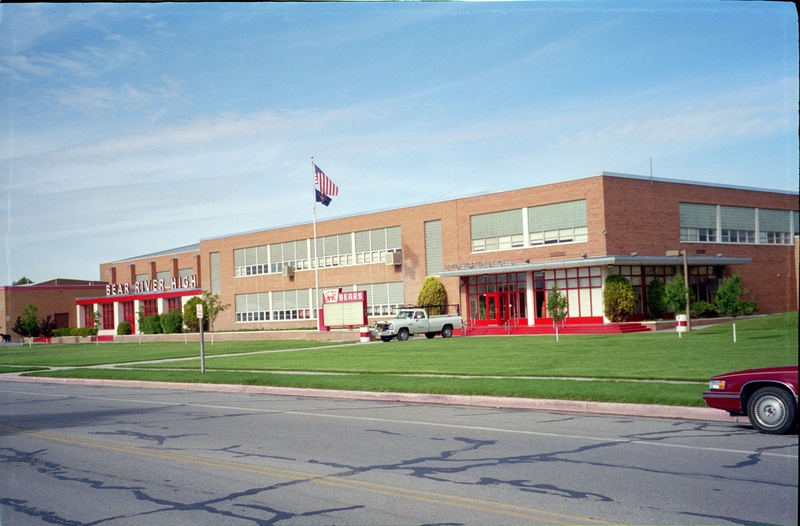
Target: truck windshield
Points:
(404, 315)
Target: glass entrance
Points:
(496, 299)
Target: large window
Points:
(383, 299)
(433, 248)
(338, 250)
(582, 287)
(530, 227)
(108, 316)
(736, 224)
(371, 246)
(497, 231)
(291, 254)
(558, 223)
(274, 306)
(775, 226)
(640, 278)
(150, 307)
(698, 222)
(174, 305)
(252, 307)
(88, 316)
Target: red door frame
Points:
(496, 305)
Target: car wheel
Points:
(430, 335)
(402, 335)
(386, 339)
(447, 332)
(771, 410)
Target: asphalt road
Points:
(115, 455)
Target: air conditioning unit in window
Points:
(394, 258)
(288, 270)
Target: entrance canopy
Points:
(508, 265)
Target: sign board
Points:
(199, 311)
(344, 309)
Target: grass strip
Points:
(4, 369)
(596, 391)
(84, 354)
(695, 356)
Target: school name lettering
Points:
(151, 285)
(470, 265)
(337, 296)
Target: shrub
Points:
(748, 307)
(85, 331)
(432, 296)
(123, 328)
(618, 299)
(171, 322)
(58, 333)
(656, 299)
(703, 309)
(190, 314)
(151, 324)
(729, 296)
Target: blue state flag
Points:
(322, 198)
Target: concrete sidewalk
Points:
(561, 406)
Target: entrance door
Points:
(493, 308)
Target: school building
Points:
(498, 255)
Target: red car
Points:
(767, 396)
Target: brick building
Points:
(55, 298)
(498, 255)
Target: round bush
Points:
(124, 328)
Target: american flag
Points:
(326, 186)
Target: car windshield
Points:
(404, 315)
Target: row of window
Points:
(149, 307)
(383, 299)
(354, 248)
(530, 227)
(733, 224)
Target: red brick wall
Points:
(643, 217)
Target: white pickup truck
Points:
(417, 321)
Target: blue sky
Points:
(134, 128)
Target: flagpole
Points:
(316, 260)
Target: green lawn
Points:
(66, 355)
(661, 357)
(694, 357)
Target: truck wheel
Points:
(430, 335)
(447, 331)
(402, 335)
(771, 410)
(386, 339)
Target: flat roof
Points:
(470, 196)
(179, 250)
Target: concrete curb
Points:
(533, 404)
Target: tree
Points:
(46, 327)
(618, 298)
(27, 325)
(22, 281)
(675, 294)
(729, 299)
(432, 296)
(212, 307)
(557, 307)
(656, 299)
(190, 314)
